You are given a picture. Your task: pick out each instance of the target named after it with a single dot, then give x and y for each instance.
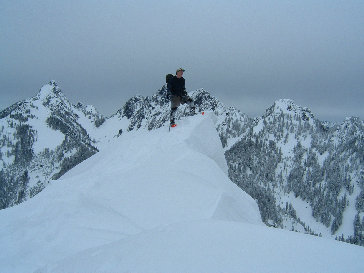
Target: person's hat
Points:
(180, 69)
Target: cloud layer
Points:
(246, 53)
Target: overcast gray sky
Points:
(246, 53)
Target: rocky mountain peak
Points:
(289, 107)
(49, 89)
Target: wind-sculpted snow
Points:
(142, 181)
(216, 246)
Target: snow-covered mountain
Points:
(158, 201)
(42, 138)
(307, 175)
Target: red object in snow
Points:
(203, 113)
(173, 125)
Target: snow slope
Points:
(140, 182)
(216, 246)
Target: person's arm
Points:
(170, 87)
(184, 93)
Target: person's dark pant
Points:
(177, 101)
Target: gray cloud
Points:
(246, 53)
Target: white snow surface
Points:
(46, 136)
(45, 91)
(216, 246)
(158, 201)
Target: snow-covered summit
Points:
(49, 90)
(289, 107)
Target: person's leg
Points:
(175, 102)
(173, 113)
(190, 102)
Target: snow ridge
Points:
(142, 181)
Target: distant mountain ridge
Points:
(306, 175)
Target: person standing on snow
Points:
(176, 89)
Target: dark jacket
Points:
(176, 86)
